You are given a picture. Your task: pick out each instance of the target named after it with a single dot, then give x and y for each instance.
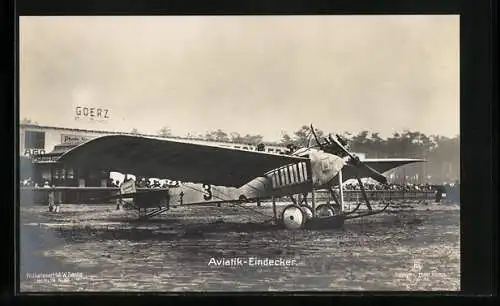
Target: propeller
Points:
(353, 159)
(356, 162)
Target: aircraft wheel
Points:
(293, 217)
(325, 211)
(307, 210)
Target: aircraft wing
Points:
(380, 164)
(174, 159)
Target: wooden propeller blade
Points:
(377, 176)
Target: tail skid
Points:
(155, 212)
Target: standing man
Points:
(58, 198)
(439, 193)
(291, 148)
(119, 199)
(51, 200)
(180, 196)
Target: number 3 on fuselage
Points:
(207, 192)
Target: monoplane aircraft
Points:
(323, 163)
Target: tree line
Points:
(441, 153)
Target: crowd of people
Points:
(142, 182)
(29, 182)
(139, 183)
(392, 187)
(447, 192)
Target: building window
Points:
(59, 174)
(46, 175)
(34, 140)
(70, 174)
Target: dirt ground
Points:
(412, 246)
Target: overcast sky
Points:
(249, 74)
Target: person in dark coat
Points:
(291, 148)
(439, 193)
(181, 195)
(51, 200)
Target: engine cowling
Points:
(324, 167)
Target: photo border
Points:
(477, 112)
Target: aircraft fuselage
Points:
(290, 179)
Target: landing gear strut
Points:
(351, 214)
(294, 216)
(302, 203)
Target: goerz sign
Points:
(91, 113)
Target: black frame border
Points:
(478, 110)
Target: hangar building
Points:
(40, 146)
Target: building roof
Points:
(37, 126)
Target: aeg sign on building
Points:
(42, 145)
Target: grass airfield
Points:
(411, 246)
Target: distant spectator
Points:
(140, 182)
(439, 193)
(452, 192)
(181, 195)
(28, 182)
(57, 198)
(51, 198)
(261, 147)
